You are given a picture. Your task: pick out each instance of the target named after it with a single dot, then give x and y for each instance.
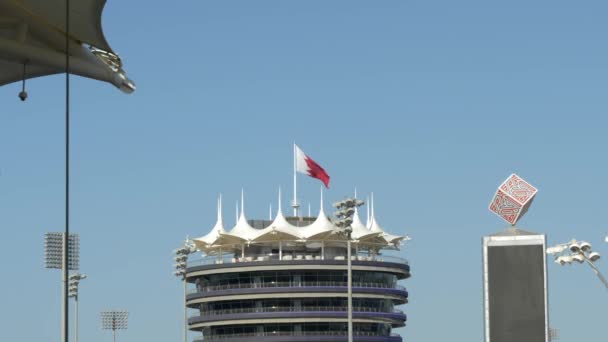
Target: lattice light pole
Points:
(55, 257)
(114, 320)
(344, 213)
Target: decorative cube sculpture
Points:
(512, 199)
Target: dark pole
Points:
(67, 171)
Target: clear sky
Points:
(429, 104)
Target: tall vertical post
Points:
(181, 257)
(67, 175)
(76, 318)
(64, 289)
(295, 183)
(74, 282)
(185, 311)
(350, 291)
(346, 210)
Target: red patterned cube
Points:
(512, 199)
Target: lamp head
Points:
(575, 247)
(578, 258)
(585, 246)
(594, 256)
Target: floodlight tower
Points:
(577, 251)
(344, 213)
(56, 256)
(73, 293)
(181, 263)
(114, 320)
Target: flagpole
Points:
(295, 183)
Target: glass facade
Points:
(295, 305)
(294, 278)
(319, 329)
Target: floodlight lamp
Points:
(578, 258)
(556, 249)
(594, 256)
(585, 246)
(339, 204)
(564, 259)
(575, 247)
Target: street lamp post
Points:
(181, 263)
(114, 320)
(344, 213)
(577, 251)
(73, 292)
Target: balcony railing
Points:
(295, 309)
(290, 333)
(231, 259)
(222, 287)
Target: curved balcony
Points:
(305, 336)
(293, 315)
(274, 262)
(278, 289)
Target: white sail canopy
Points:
(321, 229)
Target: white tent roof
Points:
(85, 18)
(41, 45)
(360, 232)
(281, 230)
(214, 234)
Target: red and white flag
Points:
(304, 164)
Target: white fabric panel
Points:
(12, 72)
(85, 18)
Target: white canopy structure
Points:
(280, 230)
(32, 42)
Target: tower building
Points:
(286, 280)
(515, 287)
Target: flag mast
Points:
(295, 204)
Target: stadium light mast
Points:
(114, 320)
(56, 256)
(577, 251)
(344, 213)
(181, 263)
(73, 293)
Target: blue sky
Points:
(429, 104)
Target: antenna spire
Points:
(321, 211)
(243, 203)
(219, 209)
(270, 212)
(280, 209)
